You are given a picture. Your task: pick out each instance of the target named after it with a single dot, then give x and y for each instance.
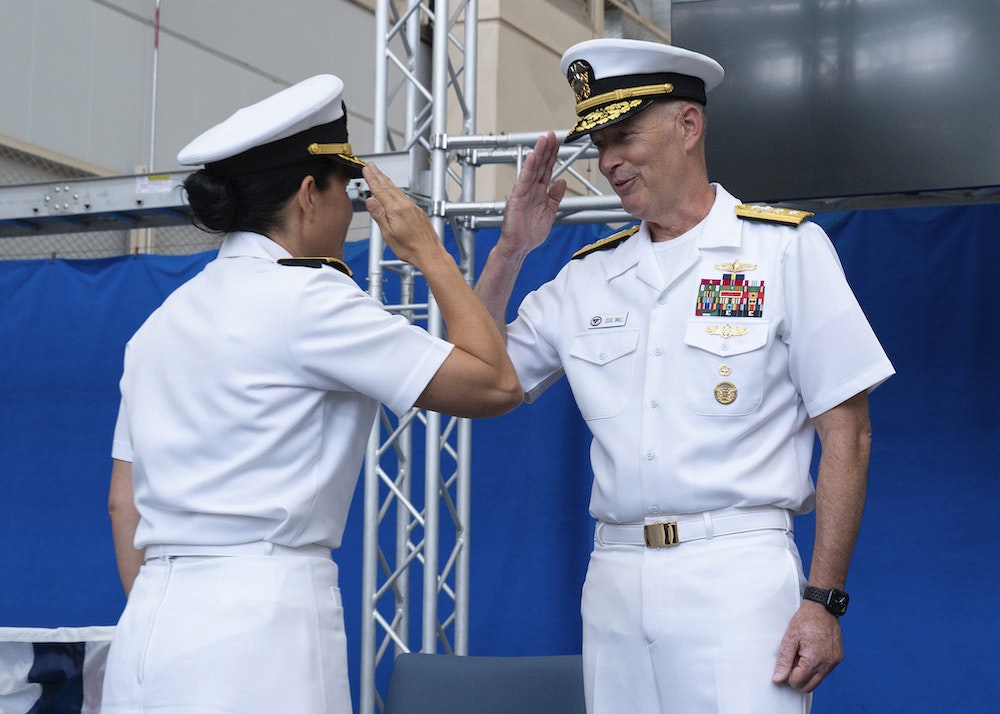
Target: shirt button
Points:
(658, 351)
(653, 403)
(602, 356)
(662, 301)
(654, 510)
(650, 456)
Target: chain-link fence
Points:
(19, 167)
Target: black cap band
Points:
(684, 86)
(289, 151)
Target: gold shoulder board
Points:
(317, 263)
(759, 212)
(605, 243)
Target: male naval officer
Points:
(705, 347)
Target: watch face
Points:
(838, 602)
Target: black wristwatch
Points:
(835, 601)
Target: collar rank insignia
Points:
(317, 263)
(611, 241)
(771, 214)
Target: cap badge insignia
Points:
(579, 75)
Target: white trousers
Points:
(243, 634)
(692, 629)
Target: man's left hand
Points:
(811, 648)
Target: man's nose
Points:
(607, 160)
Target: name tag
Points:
(612, 319)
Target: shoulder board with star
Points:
(606, 243)
(770, 214)
(317, 263)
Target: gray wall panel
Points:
(849, 97)
(71, 72)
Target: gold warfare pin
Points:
(726, 331)
(735, 267)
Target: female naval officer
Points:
(247, 400)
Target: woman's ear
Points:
(306, 197)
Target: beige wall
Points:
(521, 87)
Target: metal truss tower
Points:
(417, 500)
(417, 515)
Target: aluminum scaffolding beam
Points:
(130, 202)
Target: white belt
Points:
(257, 548)
(701, 526)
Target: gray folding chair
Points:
(452, 684)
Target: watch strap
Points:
(834, 600)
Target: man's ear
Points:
(693, 121)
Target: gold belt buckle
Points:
(660, 535)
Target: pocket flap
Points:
(604, 346)
(726, 337)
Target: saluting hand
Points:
(405, 227)
(533, 203)
(527, 220)
(477, 378)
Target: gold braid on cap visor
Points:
(627, 93)
(602, 116)
(341, 150)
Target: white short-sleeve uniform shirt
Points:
(699, 388)
(249, 395)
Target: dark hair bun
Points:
(213, 201)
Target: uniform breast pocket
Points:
(723, 366)
(600, 371)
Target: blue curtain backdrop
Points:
(922, 624)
